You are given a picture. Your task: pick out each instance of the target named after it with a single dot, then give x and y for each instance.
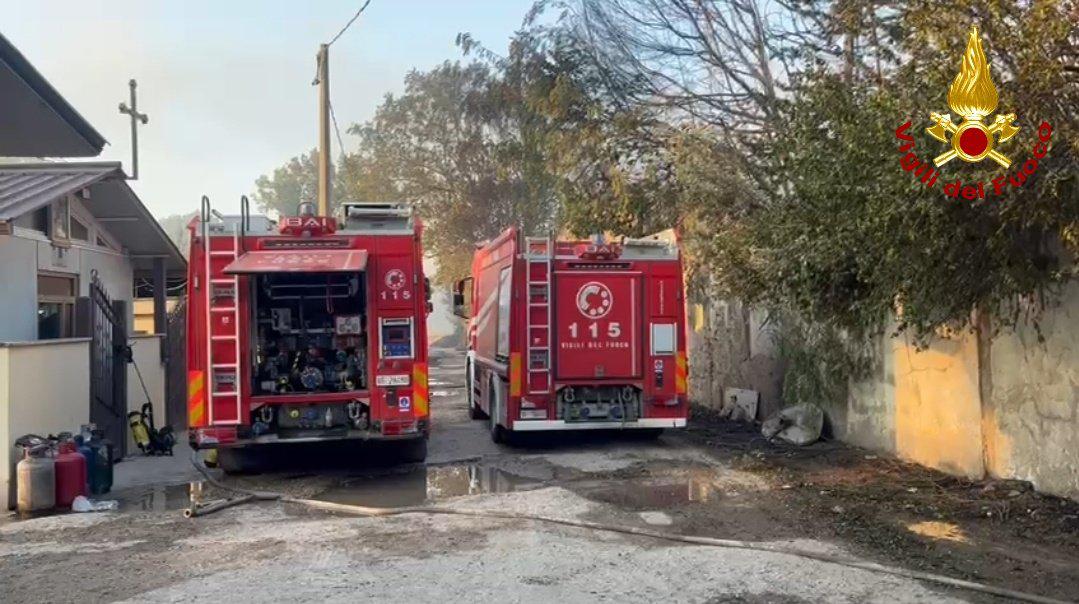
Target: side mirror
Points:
(462, 298)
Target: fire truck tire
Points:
(474, 410)
(238, 461)
(646, 433)
(497, 396)
(414, 451)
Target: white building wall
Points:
(27, 252)
(44, 388)
(18, 289)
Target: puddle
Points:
(426, 485)
(152, 499)
(945, 531)
(658, 494)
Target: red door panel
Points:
(598, 325)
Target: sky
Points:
(227, 83)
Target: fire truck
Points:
(574, 335)
(310, 328)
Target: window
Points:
(663, 338)
(101, 242)
(55, 306)
(37, 220)
(61, 214)
(502, 346)
(79, 231)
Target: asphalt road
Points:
(285, 552)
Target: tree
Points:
(289, 185)
(456, 145)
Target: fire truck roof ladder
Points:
(231, 311)
(539, 252)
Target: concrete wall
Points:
(975, 405)
(18, 265)
(730, 347)
(44, 388)
(1031, 401)
(146, 350)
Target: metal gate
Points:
(176, 369)
(104, 321)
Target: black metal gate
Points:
(104, 321)
(176, 370)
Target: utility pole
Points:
(136, 117)
(324, 130)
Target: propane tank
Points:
(36, 478)
(70, 468)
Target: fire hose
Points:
(248, 496)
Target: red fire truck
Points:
(570, 335)
(309, 329)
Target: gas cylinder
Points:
(88, 454)
(70, 474)
(36, 478)
(100, 466)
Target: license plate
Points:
(392, 380)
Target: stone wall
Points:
(973, 405)
(730, 347)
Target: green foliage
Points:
(290, 184)
(457, 144)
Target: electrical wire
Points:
(349, 24)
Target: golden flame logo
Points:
(973, 96)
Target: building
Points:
(74, 238)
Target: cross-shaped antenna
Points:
(136, 117)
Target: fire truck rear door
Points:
(597, 321)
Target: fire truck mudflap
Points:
(307, 332)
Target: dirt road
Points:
(704, 482)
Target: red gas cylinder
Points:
(70, 474)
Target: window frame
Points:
(503, 312)
(66, 302)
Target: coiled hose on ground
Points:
(248, 496)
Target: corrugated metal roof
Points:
(27, 187)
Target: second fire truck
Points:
(572, 335)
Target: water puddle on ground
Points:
(152, 499)
(658, 493)
(423, 484)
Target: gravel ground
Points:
(702, 482)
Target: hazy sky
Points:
(227, 83)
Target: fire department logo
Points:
(973, 96)
(395, 278)
(594, 300)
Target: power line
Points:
(314, 82)
(333, 116)
(349, 24)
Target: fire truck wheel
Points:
(414, 451)
(646, 433)
(498, 433)
(474, 410)
(237, 461)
